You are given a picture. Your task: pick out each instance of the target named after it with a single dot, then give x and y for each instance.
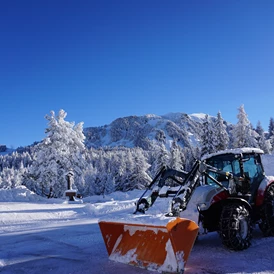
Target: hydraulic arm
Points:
(187, 181)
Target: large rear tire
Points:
(267, 213)
(236, 226)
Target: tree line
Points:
(43, 168)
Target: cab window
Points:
(226, 163)
(252, 167)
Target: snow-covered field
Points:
(40, 235)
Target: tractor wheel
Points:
(236, 226)
(267, 213)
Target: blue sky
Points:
(101, 60)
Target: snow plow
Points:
(228, 190)
(163, 248)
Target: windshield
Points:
(252, 167)
(230, 162)
(226, 162)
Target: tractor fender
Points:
(211, 216)
(265, 183)
(230, 200)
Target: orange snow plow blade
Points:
(154, 247)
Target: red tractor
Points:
(245, 199)
(231, 194)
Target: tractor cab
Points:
(245, 165)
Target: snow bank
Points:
(23, 194)
(19, 194)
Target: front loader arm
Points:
(146, 201)
(192, 181)
(187, 184)
(184, 194)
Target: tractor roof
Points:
(244, 150)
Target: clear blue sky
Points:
(101, 60)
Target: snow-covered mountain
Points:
(143, 130)
(4, 150)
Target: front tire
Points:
(236, 226)
(267, 213)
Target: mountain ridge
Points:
(142, 131)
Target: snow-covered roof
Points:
(243, 150)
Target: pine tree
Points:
(101, 176)
(222, 138)
(189, 154)
(126, 179)
(109, 186)
(177, 159)
(11, 177)
(119, 165)
(271, 134)
(261, 139)
(89, 179)
(271, 128)
(63, 149)
(271, 142)
(242, 132)
(161, 158)
(208, 137)
(139, 177)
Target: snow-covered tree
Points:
(243, 135)
(177, 159)
(89, 179)
(62, 150)
(161, 158)
(120, 169)
(7, 178)
(109, 183)
(11, 177)
(271, 128)
(271, 134)
(271, 143)
(190, 156)
(99, 176)
(262, 143)
(222, 138)
(139, 178)
(122, 166)
(126, 169)
(15, 160)
(208, 137)
(160, 136)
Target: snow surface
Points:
(198, 116)
(56, 236)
